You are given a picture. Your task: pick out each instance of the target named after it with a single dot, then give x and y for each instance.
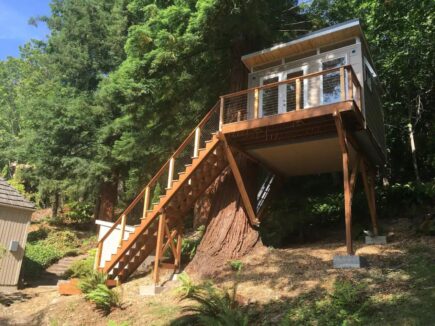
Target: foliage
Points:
(236, 265)
(89, 282)
(213, 306)
(2, 251)
(114, 323)
(79, 212)
(104, 298)
(44, 248)
(190, 244)
(346, 305)
(82, 268)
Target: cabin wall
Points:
(312, 86)
(373, 106)
(13, 227)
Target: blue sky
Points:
(14, 27)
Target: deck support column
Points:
(348, 187)
(239, 181)
(159, 247)
(368, 177)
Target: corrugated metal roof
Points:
(9, 196)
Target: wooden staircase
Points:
(186, 175)
(166, 200)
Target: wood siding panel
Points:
(13, 227)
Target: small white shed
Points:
(15, 214)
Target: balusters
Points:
(98, 255)
(146, 202)
(221, 114)
(123, 223)
(342, 85)
(171, 172)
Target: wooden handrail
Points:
(156, 177)
(271, 85)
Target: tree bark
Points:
(228, 234)
(107, 200)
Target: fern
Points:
(104, 298)
(90, 282)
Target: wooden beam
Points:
(239, 181)
(346, 182)
(123, 223)
(291, 116)
(179, 245)
(159, 247)
(354, 175)
(256, 104)
(342, 85)
(369, 190)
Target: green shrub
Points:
(36, 235)
(66, 242)
(90, 282)
(104, 298)
(189, 245)
(79, 212)
(213, 306)
(236, 265)
(82, 268)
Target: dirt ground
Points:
(268, 275)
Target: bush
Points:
(213, 306)
(36, 235)
(82, 268)
(104, 298)
(79, 212)
(189, 245)
(90, 282)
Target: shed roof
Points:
(319, 38)
(9, 196)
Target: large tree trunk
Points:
(228, 234)
(107, 200)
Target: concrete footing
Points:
(379, 239)
(348, 262)
(150, 290)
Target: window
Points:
(269, 97)
(331, 81)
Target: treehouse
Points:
(312, 106)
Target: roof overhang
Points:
(314, 40)
(22, 208)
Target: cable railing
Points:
(164, 178)
(311, 90)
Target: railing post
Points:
(221, 114)
(123, 222)
(146, 202)
(159, 247)
(197, 140)
(298, 94)
(171, 172)
(342, 84)
(256, 104)
(349, 83)
(98, 256)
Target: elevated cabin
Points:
(312, 106)
(285, 118)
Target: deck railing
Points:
(164, 178)
(311, 90)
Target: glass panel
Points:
(270, 97)
(331, 81)
(291, 91)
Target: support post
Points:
(123, 223)
(369, 188)
(221, 114)
(298, 94)
(342, 85)
(197, 140)
(256, 104)
(146, 202)
(346, 181)
(171, 172)
(159, 247)
(98, 256)
(240, 185)
(349, 84)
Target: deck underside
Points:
(300, 142)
